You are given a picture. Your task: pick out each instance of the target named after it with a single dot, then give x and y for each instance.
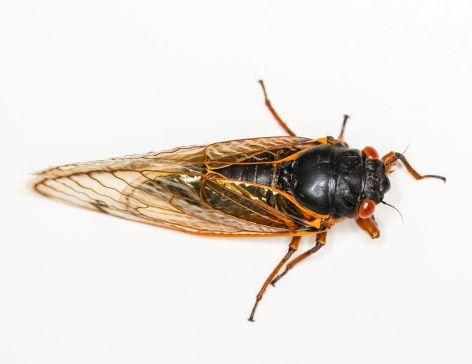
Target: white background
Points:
(89, 80)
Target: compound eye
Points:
(371, 153)
(367, 209)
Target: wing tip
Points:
(32, 184)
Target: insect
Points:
(274, 186)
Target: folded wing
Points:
(179, 189)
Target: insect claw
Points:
(277, 278)
(251, 318)
(434, 176)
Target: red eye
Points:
(367, 209)
(371, 153)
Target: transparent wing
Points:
(177, 189)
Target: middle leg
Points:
(320, 242)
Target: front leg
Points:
(369, 226)
(391, 159)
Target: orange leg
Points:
(369, 226)
(274, 113)
(292, 249)
(391, 159)
(320, 241)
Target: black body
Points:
(328, 180)
(335, 180)
(263, 174)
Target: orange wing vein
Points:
(180, 189)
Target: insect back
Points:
(334, 180)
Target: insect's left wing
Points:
(174, 189)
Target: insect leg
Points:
(341, 134)
(320, 241)
(391, 158)
(292, 249)
(274, 113)
(369, 226)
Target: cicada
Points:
(272, 186)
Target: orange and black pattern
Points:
(186, 189)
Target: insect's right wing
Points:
(172, 189)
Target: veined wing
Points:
(257, 150)
(174, 189)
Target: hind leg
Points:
(292, 249)
(274, 113)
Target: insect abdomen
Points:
(262, 174)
